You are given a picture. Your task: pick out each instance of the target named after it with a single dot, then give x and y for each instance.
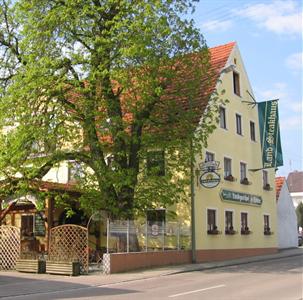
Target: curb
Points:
(231, 263)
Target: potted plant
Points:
(245, 231)
(245, 181)
(230, 230)
(229, 177)
(267, 187)
(267, 231)
(213, 231)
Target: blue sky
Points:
(269, 35)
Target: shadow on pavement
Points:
(26, 288)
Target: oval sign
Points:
(209, 179)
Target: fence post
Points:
(127, 237)
(146, 235)
(107, 236)
(178, 236)
(163, 236)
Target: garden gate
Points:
(69, 243)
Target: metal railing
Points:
(140, 236)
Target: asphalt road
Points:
(273, 279)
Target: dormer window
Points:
(236, 82)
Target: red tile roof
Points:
(220, 54)
(295, 182)
(279, 183)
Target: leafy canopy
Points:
(102, 83)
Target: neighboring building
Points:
(236, 218)
(295, 186)
(287, 219)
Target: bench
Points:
(30, 265)
(63, 268)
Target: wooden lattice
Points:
(69, 243)
(9, 247)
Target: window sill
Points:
(268, 233)
(245, 182)
(230, 178)
(213, 232)
(230, 232)
(267, 188)
(245, 232)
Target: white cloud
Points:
(295, 61)
(281, 17)
(216, 25)
(291, 123)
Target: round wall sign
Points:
(209, 179)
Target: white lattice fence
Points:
(9, 247)
(69, 243)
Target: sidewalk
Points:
(100, 279)
(13, 283)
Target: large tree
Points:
(103, 83)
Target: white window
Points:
(227, 167)
(239, 124)
(236, 82)
(266, 224)
(222, 115)
(229, 226)
(252, 131)
(211, 219)
(243, 171)
(209, 156)
(265, 178)
(244, 223)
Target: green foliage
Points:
(88, 80)
(299, 212)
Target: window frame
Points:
(222, 120)
(215, 227)
(229, 228)
(27, 232)
(265, 178)
(236, 83)
(239, 126)
(266, 223)
(230, 173)
(246, 227)
(242, 163)
(252, 132)
(211, 154)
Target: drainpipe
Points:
(192, 199)
(192, 196)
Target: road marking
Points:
(196, 291)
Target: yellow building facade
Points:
(238, 216)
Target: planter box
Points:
(30, 265)
(63, 268)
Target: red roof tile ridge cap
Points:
(230, 44)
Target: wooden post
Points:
(0, 211)
(50, 219)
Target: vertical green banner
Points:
(270, 134)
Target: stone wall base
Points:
(226, 254)
(121, 262)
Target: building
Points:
(295, 185)
(235, 212)
(286, 214)
(237, 217)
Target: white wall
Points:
(287, 220)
